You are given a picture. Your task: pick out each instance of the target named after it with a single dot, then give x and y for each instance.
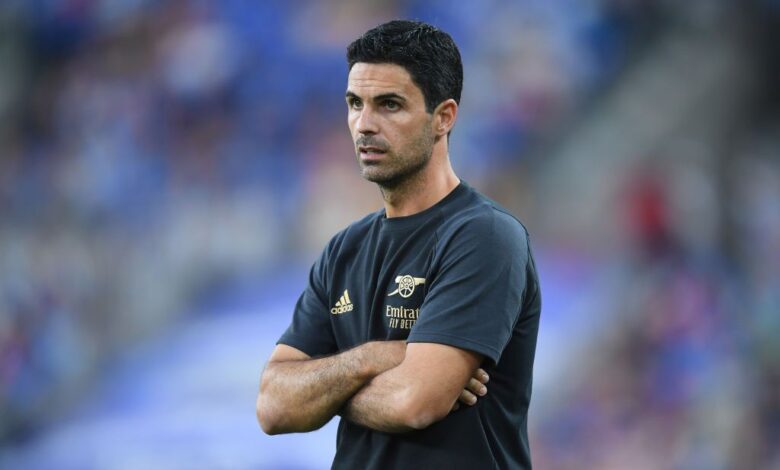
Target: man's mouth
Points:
(369, 151)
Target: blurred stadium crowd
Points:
(153, 153)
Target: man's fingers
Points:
(467, 398)
(476, 387)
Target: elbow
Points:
(269, 410)
(420, 420)
(418, 412)
(266, 418)
(274, 418)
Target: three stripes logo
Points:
(344, 304)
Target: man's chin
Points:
(381, 178)
(375, 177)
(390, 178)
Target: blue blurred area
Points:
(183, 399)
(168, 171)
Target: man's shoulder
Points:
(481, 215)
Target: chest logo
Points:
(343, 305)
(406, 285)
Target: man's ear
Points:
(444, 117)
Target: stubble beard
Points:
(395, 169)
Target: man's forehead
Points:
(379, 78)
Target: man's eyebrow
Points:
(382, 97)
(387, 96)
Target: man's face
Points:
(390, 127)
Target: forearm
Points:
(303, 395)
(419, 391)
(381, 405)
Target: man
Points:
(411, 308)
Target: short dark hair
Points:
(426, 52)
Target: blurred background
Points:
(169, 170)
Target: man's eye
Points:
(391, 105)
(355, 104)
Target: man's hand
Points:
(474, 388)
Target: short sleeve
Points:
(476, 294)
(310, 330)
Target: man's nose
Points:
(366, 122)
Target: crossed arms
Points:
(389, 386)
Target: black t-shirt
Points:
(459, 273)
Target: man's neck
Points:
(421, 191)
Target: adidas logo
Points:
(344, 304)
